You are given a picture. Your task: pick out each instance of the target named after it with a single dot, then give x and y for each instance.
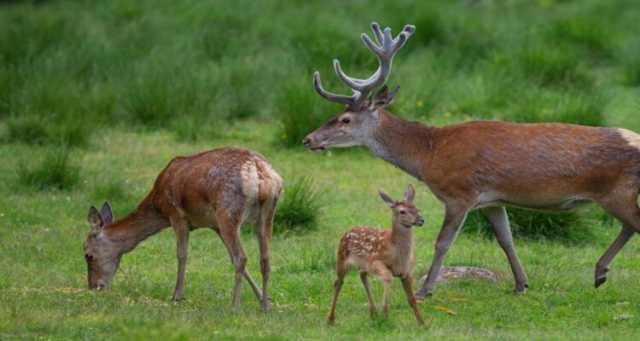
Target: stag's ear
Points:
(94, 218)
(387, 199)
(384, 97)
(409, 194)
(106, 213)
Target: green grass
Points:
(137, 83)
(54, 171)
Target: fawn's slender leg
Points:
(341, 270)
(407, 284)
(386, 276)
(364, 277)
(181, 228)
(453, 219)
(498, 218)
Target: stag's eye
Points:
(346, 120)
(88, 257)
(403, 212)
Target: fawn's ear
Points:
(94, 218)
(409, 194)
(106, 213)
(387, 199)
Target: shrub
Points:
(53, 172)
(568, 227)
(299, 208)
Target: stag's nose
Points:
(306, 142)
(420, 221)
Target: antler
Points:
(385, 47)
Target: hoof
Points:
(600, 281)
(177, 299)
(266, 306)
(521, 289)
(422, 294)
(331, 320)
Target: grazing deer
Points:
(488, 165)
(219, 189)
(383, 253)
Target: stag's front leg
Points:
(500, 221)
(453, 219)
(181, 228)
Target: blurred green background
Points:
(97, 96)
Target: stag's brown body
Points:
(546, 166)
(488, 165)
(219, 189)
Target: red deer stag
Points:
(382, 253)
(488, 165)
(219, 189)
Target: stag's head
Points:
(405, 213)
(357, 123)
(99, 252)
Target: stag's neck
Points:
(126, 233)
(403, 143)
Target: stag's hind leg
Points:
(622, 205)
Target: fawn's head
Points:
(356, 125)
(405, 212)
(99, 252)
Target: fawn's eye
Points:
(346, 120)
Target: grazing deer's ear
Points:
(106, 213)
(94, 218)
(410, 194)
(384, 97)
(387, 199)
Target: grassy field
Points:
(96, 98)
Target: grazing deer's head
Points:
(99, 252)
(356, 125)
(405, 213)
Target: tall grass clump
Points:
(567, 227)
(299, 209)
(536, 105)
(35, 130)
(551, 65)
(630, 61)
(54, 171)
(301, 110)
(583, 31)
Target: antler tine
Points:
(375, 27)
(384, 48)
(347, 100)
